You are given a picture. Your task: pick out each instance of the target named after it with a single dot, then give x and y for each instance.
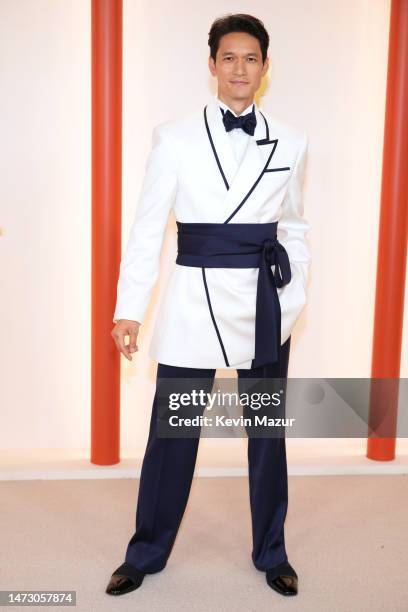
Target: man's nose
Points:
(239, 67)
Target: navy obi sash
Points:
(243, 245)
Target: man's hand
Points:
(124, 328)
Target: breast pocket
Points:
(280, 169)
(276, 178)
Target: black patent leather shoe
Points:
(283, 579)
(124, 580)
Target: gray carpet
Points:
(346, 536)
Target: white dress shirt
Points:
(238, 138)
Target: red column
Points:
(106, 226)
(393, 232)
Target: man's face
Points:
(238, 66)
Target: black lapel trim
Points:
(265, 140)
(266, 126)
(275, 142)
(213, 319)
(213, 148)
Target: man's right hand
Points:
(124, 328)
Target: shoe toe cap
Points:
(119, 584)
(287, 585)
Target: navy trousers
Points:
(167, 473)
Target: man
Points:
(232, 175)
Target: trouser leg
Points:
(268, 480)
(165, 482)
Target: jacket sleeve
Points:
(292, 229)
(139, 267)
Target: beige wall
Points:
(328, 69)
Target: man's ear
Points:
(211, 65)
(265, 66)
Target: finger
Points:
(132, 341)
(122, 347)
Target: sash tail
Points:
(268, 310)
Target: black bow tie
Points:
(245, 122)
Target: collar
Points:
(226, 107)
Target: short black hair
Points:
(238, 22)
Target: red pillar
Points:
(106, 226)
(393, 232)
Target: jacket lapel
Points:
(239, 181)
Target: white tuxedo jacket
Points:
(192, 171)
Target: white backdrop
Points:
(327, 76)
